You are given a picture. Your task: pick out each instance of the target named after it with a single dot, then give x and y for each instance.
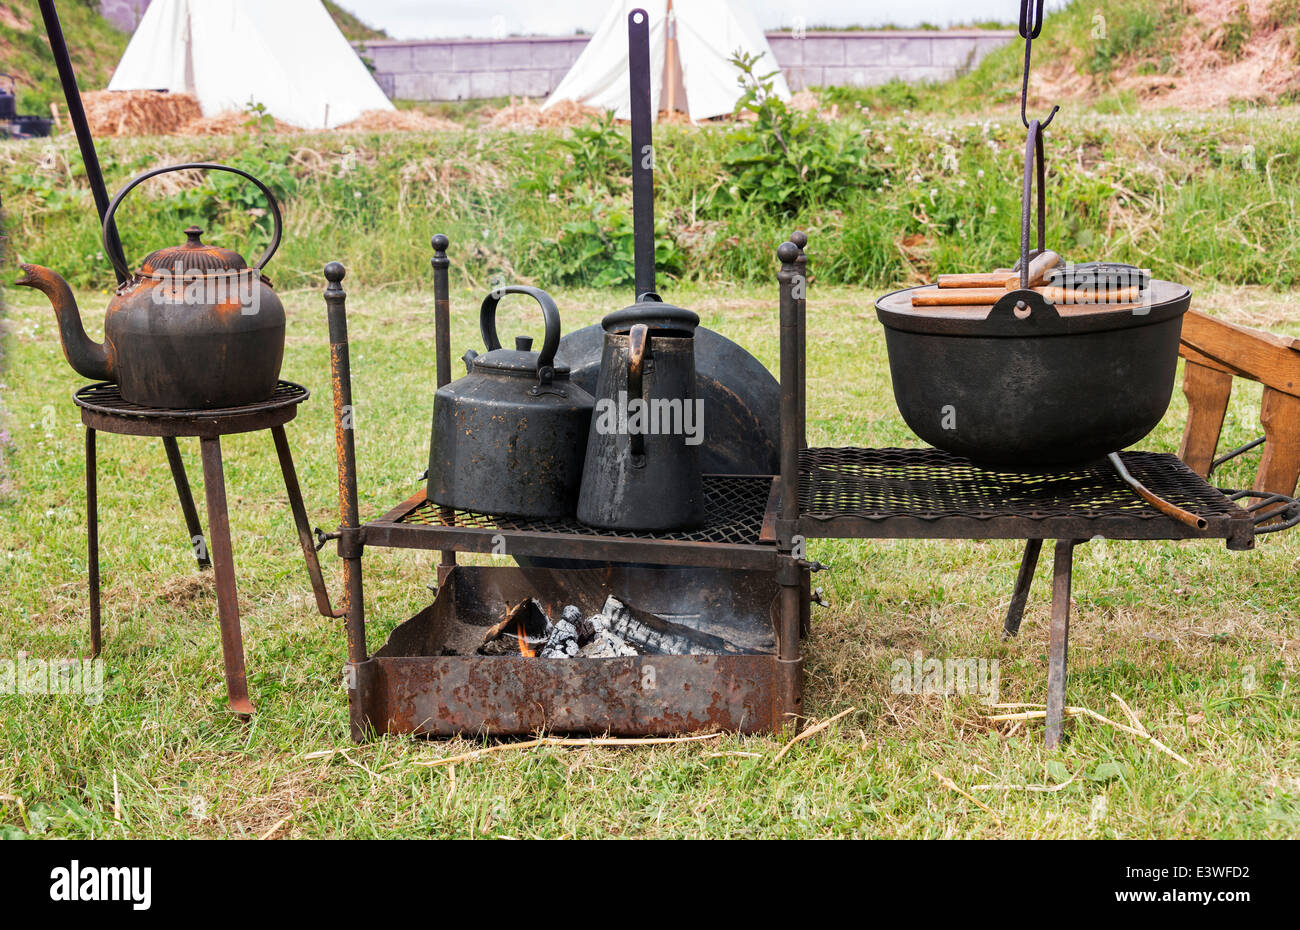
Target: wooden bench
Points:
(1215, 353)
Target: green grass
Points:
(1183, 632)
(1201, 197)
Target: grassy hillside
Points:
(94, 42)
(1119, 54)
(351, 25)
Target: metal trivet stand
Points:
(757, 526)
(103, 409)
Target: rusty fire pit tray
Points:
(428, 680)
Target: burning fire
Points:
(521, 631)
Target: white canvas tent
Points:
(287, 55)
(691, 44)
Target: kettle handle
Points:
(117, 257)
(638, 343)
(487, 324)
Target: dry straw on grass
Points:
(529, 115)
(138, 112)
(229, 123)
(400, 121)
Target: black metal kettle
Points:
(643, 451)
(509, 437)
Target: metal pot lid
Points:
(656, 315)
(193, 257)
(520, 360)
(1161, 300)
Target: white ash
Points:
(589, 637)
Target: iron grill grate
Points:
(876, 484)
(734, 505)
(105, 397)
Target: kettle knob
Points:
(524, 343)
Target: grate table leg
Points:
(1024, 578)
(223, 566)
(1058, 641)
(187, 502)
(294, 492)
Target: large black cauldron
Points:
(1050, 387)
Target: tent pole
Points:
(77, 114)
(670, 60)
(643, 190)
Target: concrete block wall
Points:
(465, 69)
(532, 66)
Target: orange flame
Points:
(525, 648)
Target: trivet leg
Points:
(187, 502)
(92, 540)
(300, 521)
(1024, 578)
(223, 566)
(1058, 641)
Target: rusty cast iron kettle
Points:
(643, 452)
(194, 329)
(509, 436)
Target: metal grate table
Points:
(736, 534)
(103, 409)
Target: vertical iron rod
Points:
(92, 541)
(442, 345)
(77, 114)
(643, 187)
(788, 253)
(791, 574)
(345, 449)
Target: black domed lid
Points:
(658, 316)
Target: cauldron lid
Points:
(655, 314)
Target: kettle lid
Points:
(654, 314)
(520, 360)
(192, 256)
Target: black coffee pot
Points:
(642, 468)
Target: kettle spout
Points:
(90, 359)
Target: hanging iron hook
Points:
(1030, 25)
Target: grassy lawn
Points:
(1201, 642)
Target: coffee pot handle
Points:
(487, 323)
(117, 257)
(638, 344)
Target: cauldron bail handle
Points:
(1029, 26)
(117, 256)
(1033, 154)
(638, 344)
(487, 324)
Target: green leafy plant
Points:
(782, 160)
(597, 250)
(597, 158)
